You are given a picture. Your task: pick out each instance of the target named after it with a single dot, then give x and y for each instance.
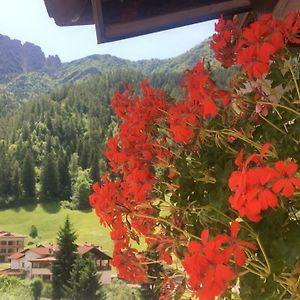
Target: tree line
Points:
(52, 146)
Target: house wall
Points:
(10, 245)
(29, 255)
(105, 277)
(17, 264)
(40, 271)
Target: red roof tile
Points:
(16, 255)
(4, 233)
(83, 249)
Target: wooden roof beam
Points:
(117, 31)
(70, 12)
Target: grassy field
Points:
(48, 218)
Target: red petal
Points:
(268, 199)
(280, 166)
(296, 182)
(194, 247)
(240, 257)
(166, 257)
(278, 185)
(239, 160)
(263, 150)
(265, 51)
(234, 228)
(247, 244)
(288, 189)
(204, 235)
(291, 168)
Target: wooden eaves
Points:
(119, 19)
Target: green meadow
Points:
(48, 218)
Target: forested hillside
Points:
(52, 145)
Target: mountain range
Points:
(55, 118)
(26, 72)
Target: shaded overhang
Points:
(120, 19)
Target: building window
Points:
(11, 250)
(2, 250)
(10, 243)
(3, 243)
(47, 277)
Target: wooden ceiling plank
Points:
(284, 7)
(68, 12)
(98, 19)
(176, 19)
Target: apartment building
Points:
(10, 243)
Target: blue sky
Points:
(27, 20)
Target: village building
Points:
(37, 262)
(10, 243)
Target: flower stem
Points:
(264, 254)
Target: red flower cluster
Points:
(202, 95)
(257, 188)
(131, 155)
(201, 99)
(208, 263)
(128, 263)
(224, 41)
(151, 128)
(255, 47)
(257, 44)
(182, 122)
(169, 289)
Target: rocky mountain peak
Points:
(17, 58)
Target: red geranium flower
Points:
(286, 182)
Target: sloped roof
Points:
(4, 233)
(89, 248)
(17, 255)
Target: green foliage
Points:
(84, 281)
(81, 190)
(65, 258)
(36, 287)
(28, 176)
(33, 231)
(119, 290)
(13, 288)
(49, 178)
(70, 125)
(47, 290)
(151, 290)
(8, 103)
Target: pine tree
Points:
(65, 258)
(64, 177)
(49, 179)
(28, 176)
(16, 185)
(95, 169)
(84, 282)
(73, 167)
